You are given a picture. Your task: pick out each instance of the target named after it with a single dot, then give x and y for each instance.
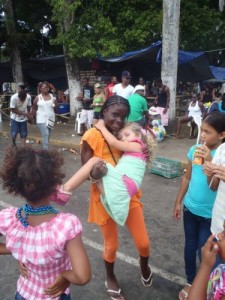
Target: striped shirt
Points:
(41, 249)
(218, 214)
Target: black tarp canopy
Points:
(192, 66)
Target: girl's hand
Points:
(219, 172)
(100, 124)
(209, 252)
(204, 152)
(177, 211)
(99, 170)
(208, 169)
(58, 287)
(23, 270)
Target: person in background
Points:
(20, 105)
(196, 108)
(218, 104)
(142, 82)
(206, 95)
(110, 86)
(162, 101)
(98, 101)
(138, 107)
(44, 110)
(124, 89)
(5, 88)
(86, 97)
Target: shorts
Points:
(62, 297)
(19, 127)
(86, 117)
(96, 115)
(164, 116)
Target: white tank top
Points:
(45, 109)
(194, 110)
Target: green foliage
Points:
(202, 28)
(105, 27)
(87, 28)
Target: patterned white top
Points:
(41, 249)
(218, 213)
(15, 102)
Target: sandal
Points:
(147, 282)
(183, 295)
(113, 294)
(59, 196)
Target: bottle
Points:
(198, 160)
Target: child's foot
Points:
(59, 196)
(147, 282)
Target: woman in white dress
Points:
(196, 108)
(44, 110)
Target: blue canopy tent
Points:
(192, 66)
(218, 73)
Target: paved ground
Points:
(166, 235)
(166, 238)
(64, 136)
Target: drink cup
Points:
(198, 160)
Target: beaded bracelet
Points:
(93, 180)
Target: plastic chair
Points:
(0, 113)
(77, 124)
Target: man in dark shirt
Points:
(86, 97)
(162, 101)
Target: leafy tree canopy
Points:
(110, 27)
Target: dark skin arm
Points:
(202, 107)
(3, 249)
(21, 113)
(34, 107)
(99, 169)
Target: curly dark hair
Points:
(30, 173)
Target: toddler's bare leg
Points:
(81, 175)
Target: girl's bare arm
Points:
(182, 191)
(112, 140)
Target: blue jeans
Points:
(45, 134)
(62, 297)
(18, 127)
(196, 231)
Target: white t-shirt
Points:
(119, 90)
(218, 213)
(45, 109)
(16, 103)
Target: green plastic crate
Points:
(165, 167)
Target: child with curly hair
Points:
(47, 242)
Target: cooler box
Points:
(63, 108)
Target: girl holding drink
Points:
(198, 197)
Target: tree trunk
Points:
(171, 17)
(72, 70)
(13, 43)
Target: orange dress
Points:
(97, 213)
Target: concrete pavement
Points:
(64, 136)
